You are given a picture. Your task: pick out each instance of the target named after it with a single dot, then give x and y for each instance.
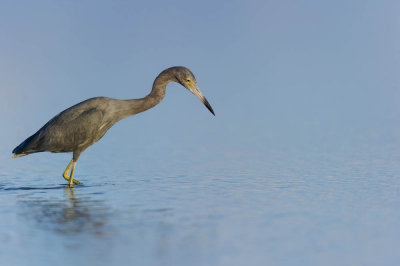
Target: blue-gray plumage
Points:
(78, 127)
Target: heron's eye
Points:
(188, 81)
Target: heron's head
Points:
(186, 78)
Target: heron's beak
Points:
(195, 90)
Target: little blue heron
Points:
(78, 127)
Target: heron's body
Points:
(78, 127)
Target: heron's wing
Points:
(81, 109)
(70, 130)
(73, 128)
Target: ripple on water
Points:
(288, 207)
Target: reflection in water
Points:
(277, 208)
(67, 216)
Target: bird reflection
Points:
(71, 215)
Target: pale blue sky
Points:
(274, 71)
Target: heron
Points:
(79, 126)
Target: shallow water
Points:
(326, 204)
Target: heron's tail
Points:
(18, 155)
(21, 149)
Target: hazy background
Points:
(286, 79)
(274, 71)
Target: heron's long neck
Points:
(156, 95)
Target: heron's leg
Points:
(67, 176)
(66, 172)
(71, 177)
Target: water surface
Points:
(322, 205)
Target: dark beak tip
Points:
(207, 104)
(210, 109)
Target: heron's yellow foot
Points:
(76, 182)
(68, 177)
